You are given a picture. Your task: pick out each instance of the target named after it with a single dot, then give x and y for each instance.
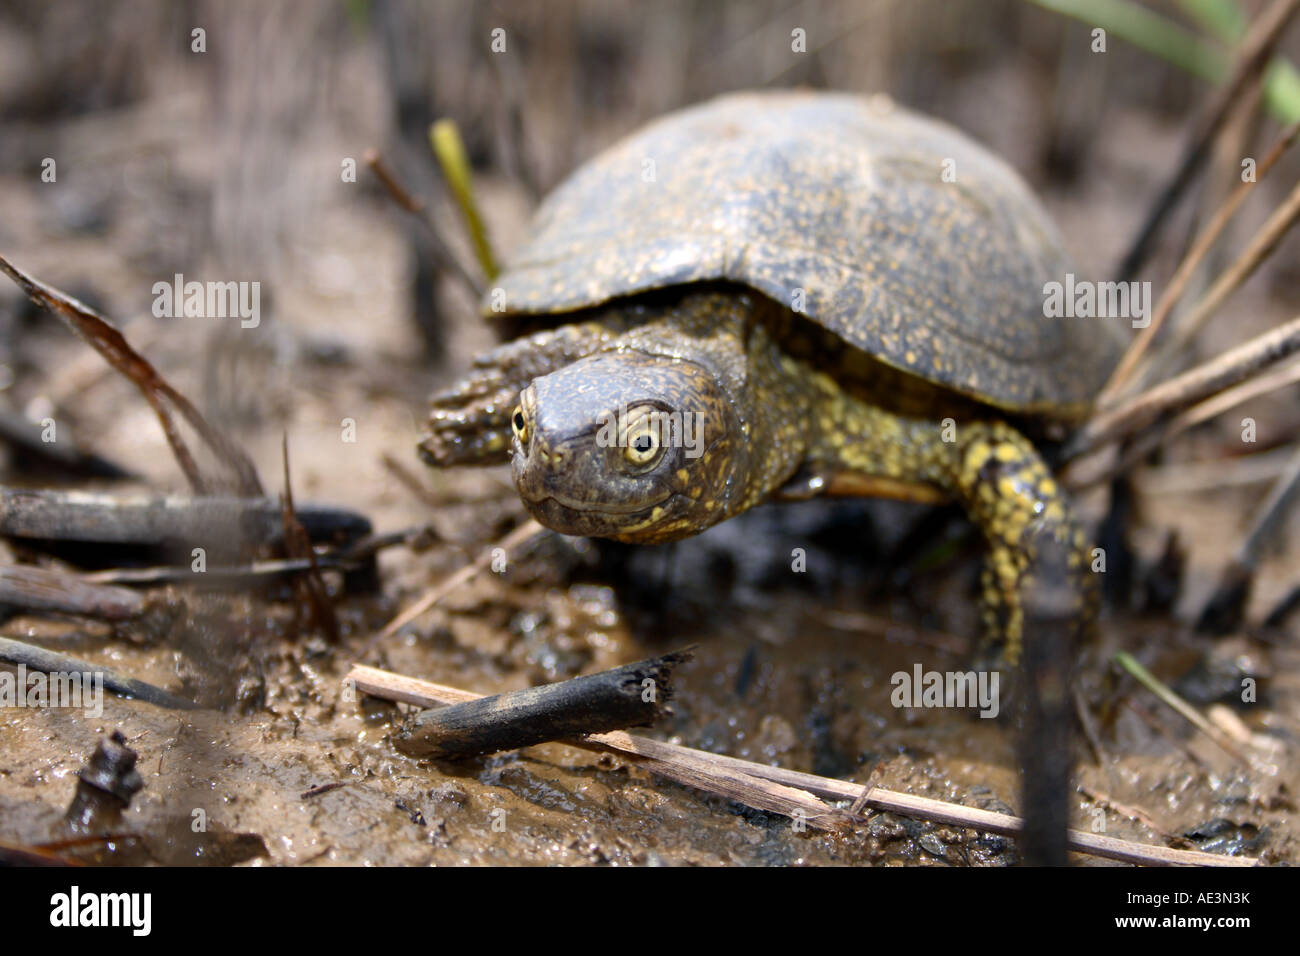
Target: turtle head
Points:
(630, 446)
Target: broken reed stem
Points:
(88, 370)
(514, 540)
(1255, 51)
(1230, 398)
(448, 261)
(449, 148)
(633, 695)
(789, 792)
(1260, 248)
(694, 769)
(1187, 268)
(1149, 441)
(1187, 389)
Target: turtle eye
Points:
(642, 446)
(520, 425)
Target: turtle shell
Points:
(895, 231)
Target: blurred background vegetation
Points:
(228, 161)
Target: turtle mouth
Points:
(573, 506)
(568, 516)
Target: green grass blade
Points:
(1219, 18)
(449, 148)
(1180, 46)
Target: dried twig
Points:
(1187, 268)
(46, 589)
(1283, 609)
(1187, 389)
(323, 788)
(160, 520)
(1259, 249)
(690, 767)
(633, 695)
(448, 260)
(42, 659)
(1267, 519)
(297, 544)
(388, 179)
(221, 576)
(81, 374)
(1139, 448)
(737, 779)
(515, 539)
(1089, 726)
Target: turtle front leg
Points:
(1011, 495)
(469, 424)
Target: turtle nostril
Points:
(550, 457)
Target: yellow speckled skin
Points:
(796, 277)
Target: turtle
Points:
(778, 295)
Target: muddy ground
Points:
(791, 668)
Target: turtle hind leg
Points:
(469, 424)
